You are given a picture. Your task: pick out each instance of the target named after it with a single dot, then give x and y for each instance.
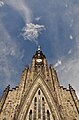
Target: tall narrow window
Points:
(43, 108)
(48, 115)
(39, 109)
(30, 115)
(39, 92)
(35, 107)
(38, 68)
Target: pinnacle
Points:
(39, 47)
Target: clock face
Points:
(39, 60)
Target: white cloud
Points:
(71, 37)
(37, 18)
(71, 23)
(70, 51)
(31, 32)
(22, 8)
(68, 72)
(1, 3)
(66, 5)
(9, 51)
(58, 63)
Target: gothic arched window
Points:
(39, 109)
(39, 92)
(43, 108)
(48, 115)
(30, 115)
(35, 107)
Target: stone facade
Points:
(39, 95)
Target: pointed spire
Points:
(39, 53)
(39, 48)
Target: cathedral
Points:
(39, 95)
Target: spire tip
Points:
(39, 48)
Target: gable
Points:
(28, 104)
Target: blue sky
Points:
(56, 26)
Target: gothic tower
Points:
(39, 95)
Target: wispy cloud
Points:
(1, 3)
(8, 50)
(58, 63)
(22, 7)
(71, 37)
(31, 32)
(68, 72)
(70, 51)
(62, 18)
(37, 18)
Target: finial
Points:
(39, 47)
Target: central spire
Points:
(39, 47)
(39, 63)
(39, 53)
